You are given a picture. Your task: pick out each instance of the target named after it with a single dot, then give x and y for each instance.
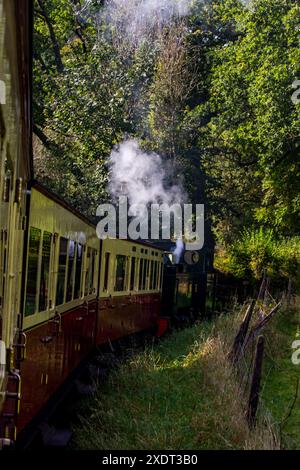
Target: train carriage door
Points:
(11, 247)
(12, 238)
(3, 226)
(3, 240)
(3, 257)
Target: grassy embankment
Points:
(281, 376)
(182, 394)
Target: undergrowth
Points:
(183, 394)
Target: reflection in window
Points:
(70, 281)
(89, 280)
(151, 286)
(132, 274)
(93, 260)
(145, 274)
(120, 273)
(32, 270)
(155, 275)
(45, 267)
(77, 287)
(61, 276)
(106, 271)
(88, 271)
(161, 275)
(141, 274)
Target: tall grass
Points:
(281, 376)
(181, 394)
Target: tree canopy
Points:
(209, 90)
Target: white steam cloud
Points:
(135, 19)
(141, 176)
(178, 250)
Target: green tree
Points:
(252, 137)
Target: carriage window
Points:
(32, 270)
(154, 276)
(161, 276)
(145, 274)
(70, 277)
(77, 288)
(106, 271)
(88, 271)
(93, 260)
(157, 275)
(45, 267)
(151, 284)
(60, 291)
(141, 274)
(120, 273)
(89, 280)
(132, 274)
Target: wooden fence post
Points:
(262, 288)
(289, 292)
(255, 385)
(239, 340)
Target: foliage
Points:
(252, 137)
(86, 107)
(210, 92)
(257, 252)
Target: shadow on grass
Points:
(181, 394)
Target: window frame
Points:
(81, 272)
(38, 269)
(72, 278)
(57, 271)
(133, 272)
(106, 272)
(41, 316)
(49, 271)
(124, 271)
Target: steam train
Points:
(63, 292)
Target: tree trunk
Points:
(289, 292)
(255, 385)
(58, 61)
(239, 340)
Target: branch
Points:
(43, 138)
(38, 58)
(241, 335)
(43, 13)
(233, 154)
(259, 326)
(79, 34)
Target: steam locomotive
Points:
(64, 292)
